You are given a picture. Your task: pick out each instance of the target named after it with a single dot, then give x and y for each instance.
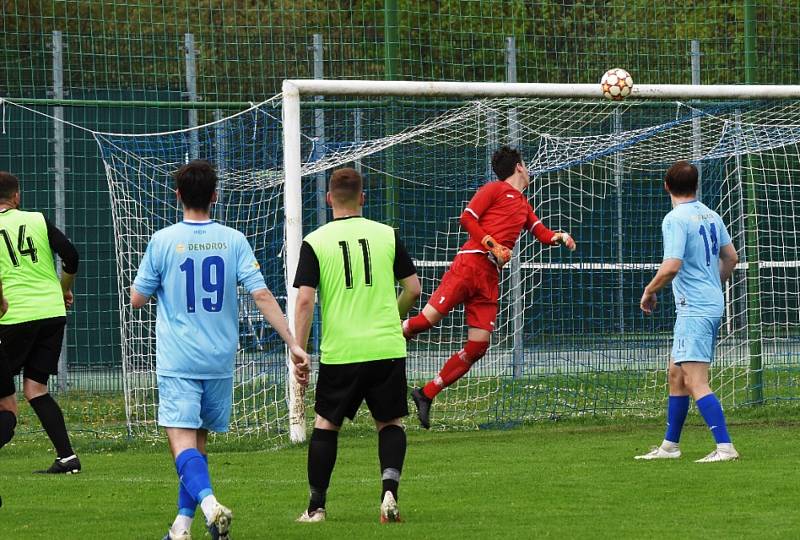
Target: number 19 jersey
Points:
(694, 234)
(194, 269)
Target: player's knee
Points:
(676, 378)
(34, 383)
(475, 350)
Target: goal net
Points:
(570, 339)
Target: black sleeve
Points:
(403, 265)
(307, 268)
(65, 249)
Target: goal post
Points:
(295, 168)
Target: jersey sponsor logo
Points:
(701, 217)
(441, 299)
(180, 248)
(206, 246)
(256, 265)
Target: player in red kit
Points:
(494, 218)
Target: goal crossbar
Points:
(295, 88)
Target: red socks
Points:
(456, 367)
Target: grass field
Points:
(572, 479)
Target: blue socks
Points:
(711, 411)
(677, 409)
(195, 481)
(186, 503)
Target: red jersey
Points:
(499, 210)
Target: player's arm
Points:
(70, 259)
(249, 275)
(306, 281)
(674, 233)
(3, 301)
(544, 235)
(148, 277)
(666, 273)
(728, 259)
(406, 274)
(470, 221)
(304, 314)
(272, 312)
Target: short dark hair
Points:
(346, 185)
(681, 178)
(196, 182)
(504, 161)
(9, 185)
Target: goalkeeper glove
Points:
(563, 239)
(498, 253)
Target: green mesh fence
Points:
(128, 66)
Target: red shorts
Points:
(472, 280)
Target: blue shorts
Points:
(694, 339)
(195, 403)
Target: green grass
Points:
(569, 479)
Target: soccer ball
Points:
(616, 83)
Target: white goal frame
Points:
(294, 89)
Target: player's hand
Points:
(302, 364)
(498, 253)
(3, 306)
(68, 299)
(648, 302)
(564, 239)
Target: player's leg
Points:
(450, 293)
(386, 399)
(34, 386)
(338, 396)
(677, 409)
(215, 415)
(8, 401)
(322, 450)
(698, 351)
(187, 505)
(479, 294)
(8, 417)
(180, 413)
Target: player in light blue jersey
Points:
(194, 268)
(698, 258)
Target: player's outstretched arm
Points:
(728, 259)
(271, 311)
(666, 273)
(563, 239)
(545, 235)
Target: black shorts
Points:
(7, 387)
(341, 388)
(34, 346)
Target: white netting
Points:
(570, 338)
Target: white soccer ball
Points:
(616, 83)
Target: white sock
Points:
(182, 523)
(725, 447)
(66, 459)
(669, 446)
(208, 505)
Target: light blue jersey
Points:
(193, 269)
(694, 234)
